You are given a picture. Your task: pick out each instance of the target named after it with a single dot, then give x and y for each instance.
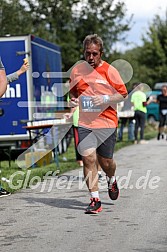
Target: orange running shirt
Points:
(86, 82)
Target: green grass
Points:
(150, 131)
(22, 177)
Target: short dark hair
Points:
(93, 39)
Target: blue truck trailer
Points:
(23, 98)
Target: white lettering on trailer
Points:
(13, 92)
(45, 89)
(42, 89)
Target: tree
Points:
(14, 18)
(53, 20)
(155, 50)
(61, 22)
(149, 61)
(104, 18)
(151, 58)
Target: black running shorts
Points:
(162, 120)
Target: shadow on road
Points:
(59, 203)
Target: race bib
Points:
(87, 105)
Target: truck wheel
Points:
(69, 137)
(64, 143)
(60, 148)
(151, 120)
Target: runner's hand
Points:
(67, 115)
(100, 99)
(74, 102)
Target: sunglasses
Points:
(93, 53)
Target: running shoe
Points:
(113, 190)
(4, 193)
(94, 206)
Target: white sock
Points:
(112, 180)
(94, 194)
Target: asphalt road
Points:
(51, 216)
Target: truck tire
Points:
(151, 120)
(69, 136)
(60, 148)
(64, 143)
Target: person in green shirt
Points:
(139, 101)
(74, 112)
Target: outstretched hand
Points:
(23, 68)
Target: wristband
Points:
(106, 98)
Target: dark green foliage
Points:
(150, 60)
(65, 22)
